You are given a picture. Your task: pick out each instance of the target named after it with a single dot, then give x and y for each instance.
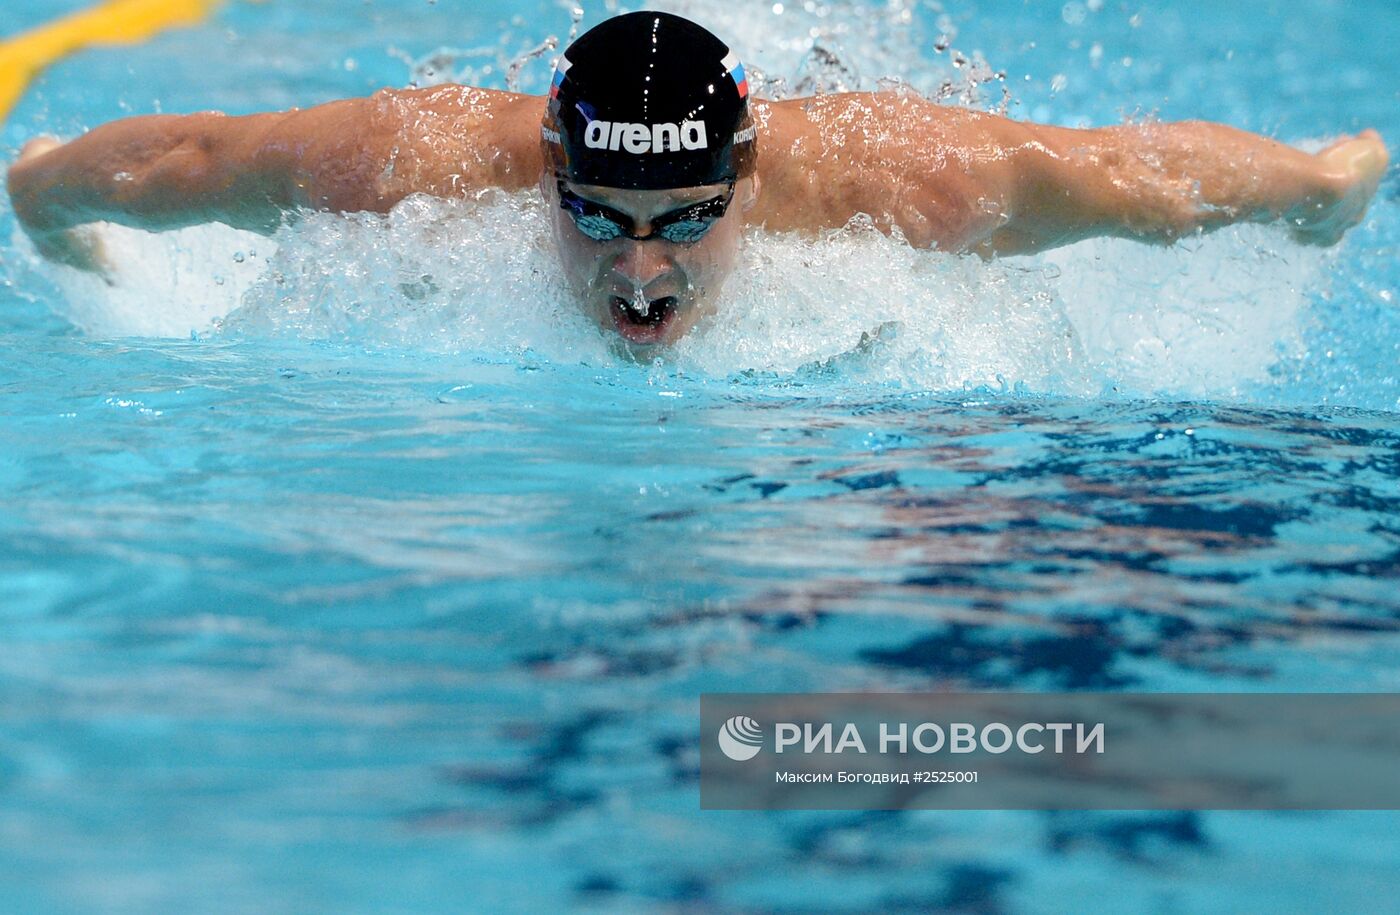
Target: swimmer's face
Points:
(653, 291)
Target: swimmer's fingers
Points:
(1350, 171)
(82, 247)
(1360, 160)
(37, 147)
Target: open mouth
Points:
(643, 322)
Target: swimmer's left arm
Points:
(958, 179)
(1163, 181)
(962, 180)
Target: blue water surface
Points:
(296, 625)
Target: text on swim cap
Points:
(643, 138)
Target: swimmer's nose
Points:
(642, 264)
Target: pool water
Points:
(352, 571)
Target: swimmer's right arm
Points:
(165, 171)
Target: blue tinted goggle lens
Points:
(682, 226)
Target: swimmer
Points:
(653, 160)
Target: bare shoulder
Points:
(904, 160)
(452, 140)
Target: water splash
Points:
(1228, 315)
(1208, 319)
(435, 275)
(447, 65)
(817, 46)
(520, 62)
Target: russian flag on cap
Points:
(736, 70)
(559, 71)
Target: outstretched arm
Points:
(164, 172)
(1160, 182)
(962, 180)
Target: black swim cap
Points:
(649, 101)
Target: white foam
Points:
(166, 285)
(443, 275)
(914, 318)
(1209, 317)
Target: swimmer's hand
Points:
(1349, 173)
(78, 246)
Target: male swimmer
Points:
(653, 160)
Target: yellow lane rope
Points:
(113, 22)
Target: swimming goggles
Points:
(682, 226)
